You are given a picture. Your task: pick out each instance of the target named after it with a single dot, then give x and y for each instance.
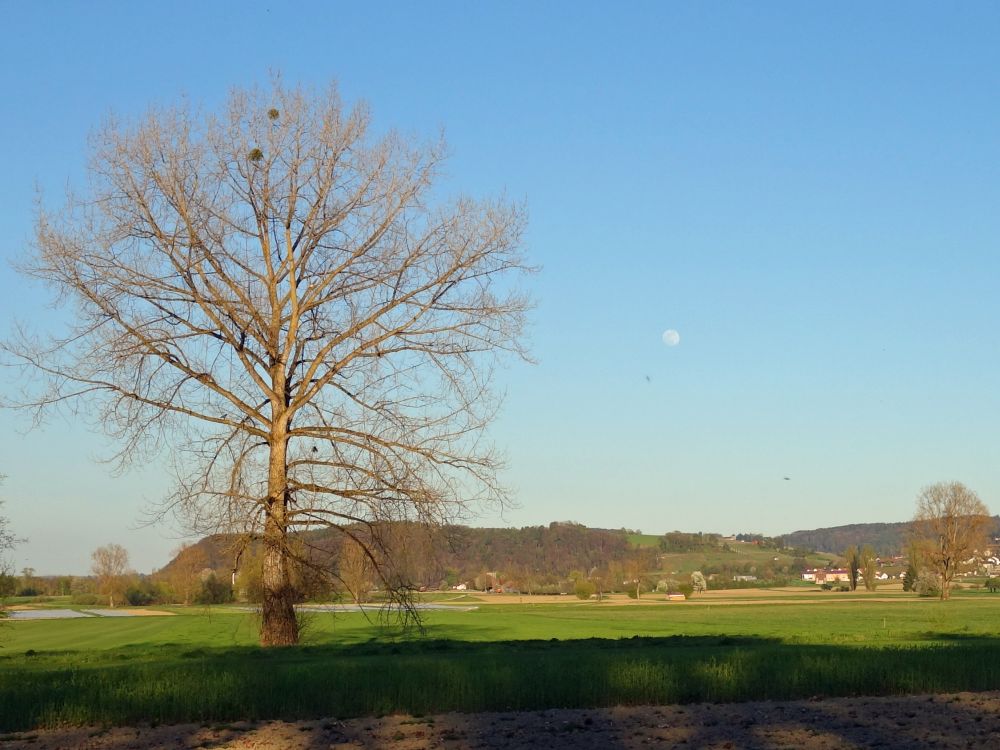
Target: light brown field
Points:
(780, 595)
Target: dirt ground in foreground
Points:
(959, 720)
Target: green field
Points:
(644, 540)
(738, 553)
(202, 665)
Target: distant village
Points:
(986, 563)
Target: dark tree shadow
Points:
(519, 694)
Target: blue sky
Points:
(807, 193)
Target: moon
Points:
(671, 337)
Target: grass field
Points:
(738, 553)
(202, 665)
(732, 554)
(644, 540)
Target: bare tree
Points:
(110, 566)
(273, 297)
(355, 570)
(599, 577)
(869, 567)
(698, 582)
(950, 524)
(8, 583)
(635, 570)
(853, 563)
(185, 571)
(7, 538)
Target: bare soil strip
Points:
(959, 720)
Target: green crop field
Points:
(644, 540)
(738, 553)
(203, 665)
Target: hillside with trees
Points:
(886, 538)
(531, 560)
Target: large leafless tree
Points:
(949, 527)
(276, 296)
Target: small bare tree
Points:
(698, 582)
(185, 572)
(272, 296)
(868, 563)
(8, 584)
(7, 538)
(853, 563)
(950, 524)
(355, 570)
(110, 566)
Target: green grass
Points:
(739, 553)
(644, 540)
(203, 666)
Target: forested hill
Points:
(886, 538)
(544, 554)
(462, 552)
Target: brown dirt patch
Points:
(960, 720)
(784, 595)
(144, 612)
(538, 599)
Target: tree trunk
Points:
(278, 624)
(947, 576)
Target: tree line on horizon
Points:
(564, 557)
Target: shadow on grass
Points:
(178, 683)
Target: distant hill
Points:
(462, 552)
(886, 538)
(546, 554)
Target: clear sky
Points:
(808, 193)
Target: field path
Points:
(959, 720)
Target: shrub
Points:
(145, 592)
(927, 584)
(87, 599)
(687, 589)
(214, 591)
(993, 584)
(584, 589)
(8, 585)
(644, 586)
(136, 597)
